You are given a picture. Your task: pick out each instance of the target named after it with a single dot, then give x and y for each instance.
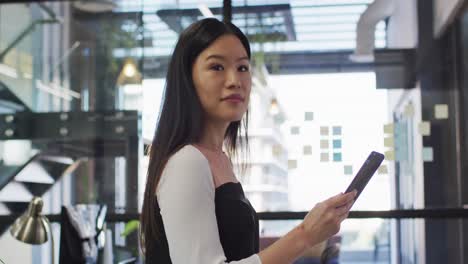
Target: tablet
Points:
(365, 173)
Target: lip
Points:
(233, 98)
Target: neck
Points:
(213, 135)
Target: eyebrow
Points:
(215, 56)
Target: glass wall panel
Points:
(81, 86)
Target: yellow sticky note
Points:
(409, 110)
(324, 144)
(388, 128)
(324, 157)
(424, 128)
(276, 150)
(307, 150)
(441, 111)
(389, 155)
(382, 169)
(292, 164)
(389, 142)
(324, 131)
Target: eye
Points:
(217, 67)
(243, 68)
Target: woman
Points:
(194, 209)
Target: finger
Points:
(353, 192)
(340, 199)
(343, 217)
(344, 209)
(334, 199)
(351, 195)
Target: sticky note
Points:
(348, 169)
(276, 150)
(324, 143)
(441, 111)
(424, 128)
(309, 116)
(382, 169)
(409, 110)
(428, 154)
(389, 142)
(337, 143)
(324, 131)
(389, 155)
(307, 150)
(294, 130)
(292, 164)
(337, 156)
(388, 128)
(324, 157)
(336, 130)
(278, 119)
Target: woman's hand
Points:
(324, 220)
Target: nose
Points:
(233, 79)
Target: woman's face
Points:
(222, 79)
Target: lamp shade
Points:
(31, 227)
(129, 73)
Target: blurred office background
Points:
(80, 91)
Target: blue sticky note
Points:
(294, 130)
(428, 154)
(309, 116)
(336, 130)
(348, 169)
(337, 143)
(337, 156)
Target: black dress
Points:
(237, 226)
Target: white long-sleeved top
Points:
(186, 197)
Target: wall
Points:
(444, 13)
(18, 62)
(402, 29)
(13, 251)
(438, 73)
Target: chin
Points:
(229, 116)
(234, 118)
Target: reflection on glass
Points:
(70, 57)
(359, 241)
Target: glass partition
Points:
(81, 86)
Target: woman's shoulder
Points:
(187, 160)
(187, 155)
(187, 166)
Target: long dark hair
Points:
(181, 119)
